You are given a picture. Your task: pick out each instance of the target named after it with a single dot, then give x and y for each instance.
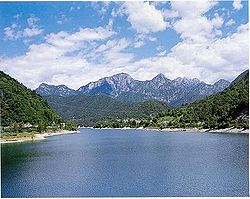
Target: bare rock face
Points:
(123, 87)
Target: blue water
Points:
(127, 163)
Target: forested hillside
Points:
(229, 108)
(22, 105)
(87, 110)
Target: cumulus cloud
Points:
(223, 58)
(70, 42)
(76, 58)
(144, 18)
(189, 9)
(193, 24)
(169, 13)
(201, 53)
(112, 53)
(53, 54)
(237, 4)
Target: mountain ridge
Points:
(158, 88)
(228, 109)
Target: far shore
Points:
(43, 136)
(37, 137)
(226, 130)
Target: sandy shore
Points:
(36, 137)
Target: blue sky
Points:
(73, 43)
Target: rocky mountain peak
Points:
(43, 85)
(123, 86)
(186, 81)
(160, 79)
(61, 90)
(121, 77)
(222, 83)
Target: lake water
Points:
(127, 163)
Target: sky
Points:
(74, 43)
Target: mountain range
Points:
(224, 109)
(227, 109)
(123, 87)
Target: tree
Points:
(41, 127)
(71, 126)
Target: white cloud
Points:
(32, 21)
(141, 40)
(230, 22)
(193, 25)
(11, 33)
(17, 16)
(192, 9)
(77, 58)
(217, 21)
(30, 32)
(223, 58)
(162, 53)
(139, 44)
(144, 18)
(152, 38)
(64, 40)
(160, 48)
(237, 4)
(101, 7)
(61, 19)
(169, 13)
(14, 32)
(112, 53)
(53, 56)
(201, 54)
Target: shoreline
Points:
(226, 130)
(37, 137)
(43, 136)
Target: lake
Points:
(112, 162)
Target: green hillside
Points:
(229, 108)
(22, 105)
(87, 110)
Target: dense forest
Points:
(87, 110)
(22, 107)
(229, 108)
